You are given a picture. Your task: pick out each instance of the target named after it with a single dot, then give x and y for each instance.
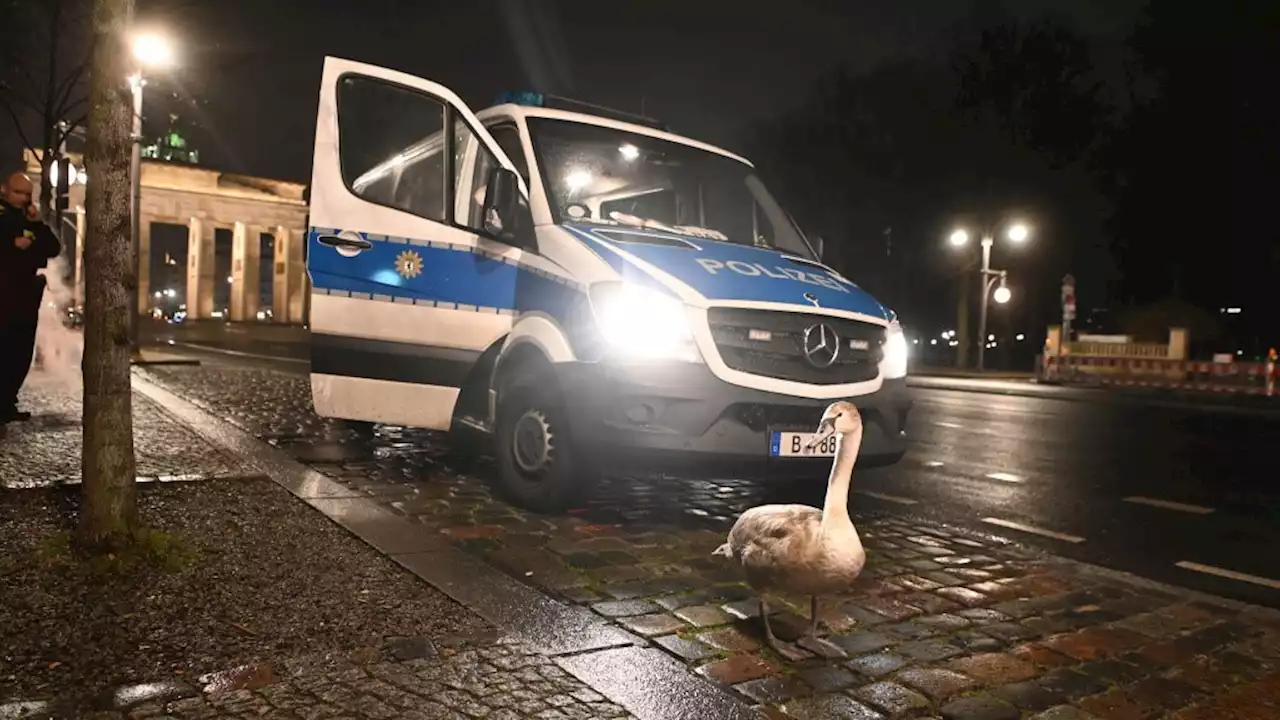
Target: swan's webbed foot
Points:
(814, 644)
(785, 650)
(821, 648)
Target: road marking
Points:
(1168, 505)
(1229, 574)
(887, 498)
(947, 424)
(239, 353)
(1033, 529)
(933, 463)
(1004, 477)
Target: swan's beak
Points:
(826, 429)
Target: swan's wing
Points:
(771, 538)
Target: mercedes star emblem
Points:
(821, 345)
(811, 298)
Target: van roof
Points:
(525, 111)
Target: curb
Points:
(605, 657)
(1096, 396)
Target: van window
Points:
(391, 146)
(477, 182)
(607, 175)
(508, 139)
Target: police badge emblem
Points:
(409, 264)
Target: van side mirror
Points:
(506, 216)
(818, 245)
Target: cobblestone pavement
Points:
(46, 449)
(504, 681)
(942, 622)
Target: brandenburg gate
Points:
(204, 201)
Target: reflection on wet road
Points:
(1175, 494)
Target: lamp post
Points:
(1016, 233)
(150, 50)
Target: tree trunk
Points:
(46, 188)
(109, 511)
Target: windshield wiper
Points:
(690, 230)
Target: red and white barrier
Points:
(1238, 378)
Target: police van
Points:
(575, 287)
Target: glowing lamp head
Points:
(577, 180)
(153, 50)
(1002, 295)
(959, 238)
(1019, 233)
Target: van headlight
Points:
(638, 322)
(894, 363)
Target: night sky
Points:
(710, 69)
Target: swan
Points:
(797, 548)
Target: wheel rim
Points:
(532, 443)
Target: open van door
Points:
(407, 290)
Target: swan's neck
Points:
(836, 507)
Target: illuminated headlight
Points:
(641, 323)
(894, 364)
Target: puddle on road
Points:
(245, 677)
(411, 458)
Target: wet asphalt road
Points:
(1135, 485)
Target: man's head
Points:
(16, 190)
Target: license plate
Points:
(796, 444)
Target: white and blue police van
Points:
(577, 288)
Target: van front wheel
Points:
(537, 464)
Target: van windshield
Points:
(602, 175)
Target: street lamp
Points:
(150, 50)
(153, 50)
(1017, 233)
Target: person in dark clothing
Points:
(26, 245)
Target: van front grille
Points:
(772, 344)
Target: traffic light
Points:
(61, 199)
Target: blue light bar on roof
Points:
(527, 99)
(555, 102)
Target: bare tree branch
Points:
(17, 124)
(70, 83)
(11, 95)
(71, 126)
(26, 96)
(71, 108)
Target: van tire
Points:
(467, 446)
(538, 465)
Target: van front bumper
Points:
(672, 412)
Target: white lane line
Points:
(933, 463)
(1005, 477)
(887, 498)
(1033, 529)
(1168, 505)
(947, 424)
(1229, 574)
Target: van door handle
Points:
(345, 243)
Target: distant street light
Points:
(150, 50)
(1017, 233)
